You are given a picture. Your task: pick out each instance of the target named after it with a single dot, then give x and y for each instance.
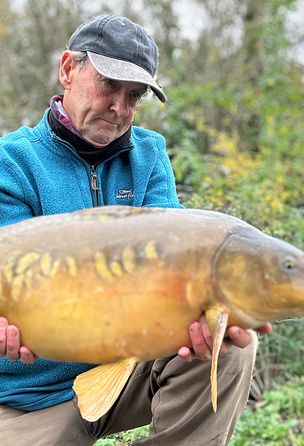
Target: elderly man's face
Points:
(100, 109)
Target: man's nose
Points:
(120, 104)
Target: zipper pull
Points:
(94, 180)
(95, 188)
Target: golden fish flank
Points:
(104, 218)
(17, 285)
(46, 264)
(106, 270)
(9, 265)
(22, 271)
(28, 279)
(129, 260)
(116, 268)
(150, 250)
(49, 267)
(101, 266)
(72, 266)
(8, 271)
(16, 272)
(25, 262)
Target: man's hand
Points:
(10, 343)
(202, 342)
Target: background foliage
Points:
(233, 124)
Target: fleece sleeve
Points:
(161, 188)
(14, 205)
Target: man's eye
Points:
(136, 95)
(110, 83)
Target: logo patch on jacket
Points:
(123, 194)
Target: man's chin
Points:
(102, 137)
(98, 141)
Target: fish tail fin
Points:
(217, 319)
(98, 388)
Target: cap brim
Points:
(124, 71)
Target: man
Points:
(83, 153)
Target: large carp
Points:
(121, 284)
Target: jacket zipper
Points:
(93, 175)
(94, 186)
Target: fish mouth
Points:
(289, 301)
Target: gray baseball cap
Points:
(119, 49)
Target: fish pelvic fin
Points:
(98, 388)
(217, 319)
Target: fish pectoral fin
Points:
(217, 319)
(98, 388)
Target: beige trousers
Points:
(172, 395)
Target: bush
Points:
(278, 421)
(124, 438)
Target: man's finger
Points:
(3, 329)
(206, 332)
(265, 329)
(26, 356)
(199, 344)
(239, 337)
(185, 354)
(12, 342)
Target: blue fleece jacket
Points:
(42, 174)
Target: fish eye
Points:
(289, 264)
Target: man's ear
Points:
(67, 64)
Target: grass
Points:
(124, 438)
